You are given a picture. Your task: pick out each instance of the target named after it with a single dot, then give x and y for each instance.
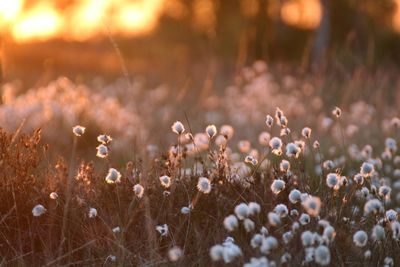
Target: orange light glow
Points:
(396, 16)
(9, 10)
(304, 14)
(40, 23)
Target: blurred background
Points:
(170, 40)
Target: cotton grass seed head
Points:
(312, 205)
(138, 189)
(373, 206)
(332, 180)
(242, 211)
(175, 254)
(102, 151)
(292, 150)
(294, 196)
(227, 131)
(378, 233)
(204, 185)
(231, 223)
(366, 169)
(178, 128)
(337, 112)
(165, 181)
(304, 219)
(38, 210)
(211, 131)
(78, 130)
(360, 238)
(104, 139)
(274, 219)
(264, 138)
(306, 132)
(277, 186)
(162, 229)
(92, 213)
(113, 176)
(53, 195)
(322, 255)
(281, 210)
(254, 208)
(269, 121)
(276, 145)
(284, 166)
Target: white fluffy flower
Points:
(294, 196)
(264, 138)
(113, 176)
(38, 210)
(242, 211)
(92, 213)
(269, 243)
(162, 229)
(211, 131)
(231, 223)
(178, 128)
(337, 112)
(274, 219)
(306, 132)
(165, 181)
(277, 186)
(307, 238)
(276, 145)
(138, 190)
(284, 166)
(175, 254)
(373, 206)
(53, 195)
(366, 169)
(281, 210)
(78, 130)
(269, 121)
(360, 238)
(102, 151)
(322, 255)
(204, 185)
(378, 233)
(227, 131)
(254, 208)
(292, 150)
(312, 205)
(185, 210)
(304, 219)
(104, 139)
(332, 180)
(249, 225)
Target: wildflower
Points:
(270, 243)
(337, 112)
(281, 210)
(102, 151)
(391, 145)
(165, 181)
(294, 196)
(360, 238)
(307, 238)
(162, 229)
(277, 186)
(366, 169)
(322, 255)
(284, 166)
(274, 219)
(138, 190)
(285, 131)
(306, 132)
(264, 138)
(373, 206)
(276, 145)
(384, 191)
(249, 225)
(388, 262)
(332, 180)
(256, 241)
(304, 219)
(309, 254)
(204, 185)
(358, 178)
(216, 252)
(391, 215)
(269, 121)
(38, 210)
(227, 131)
(112, 258)
(254, 208)
(264, 231)
(185, 210)
(78, 130)
(113, 176)
(378, 233)
(92, 213)
(312, 205)
(53, 195)
(211, 131)
(116, 229)
(178, 128)
(316, 145)
(328, 164)
(104, 139)
(242, 211)
(329, 234)
(287, 237)
(175, 254)
(244, 146)
(292, 150)
(250, 159)
(395, 226)
(231, 252)
(231, 223)
(367, 254)
(294, 213)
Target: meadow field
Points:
(122, 151)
